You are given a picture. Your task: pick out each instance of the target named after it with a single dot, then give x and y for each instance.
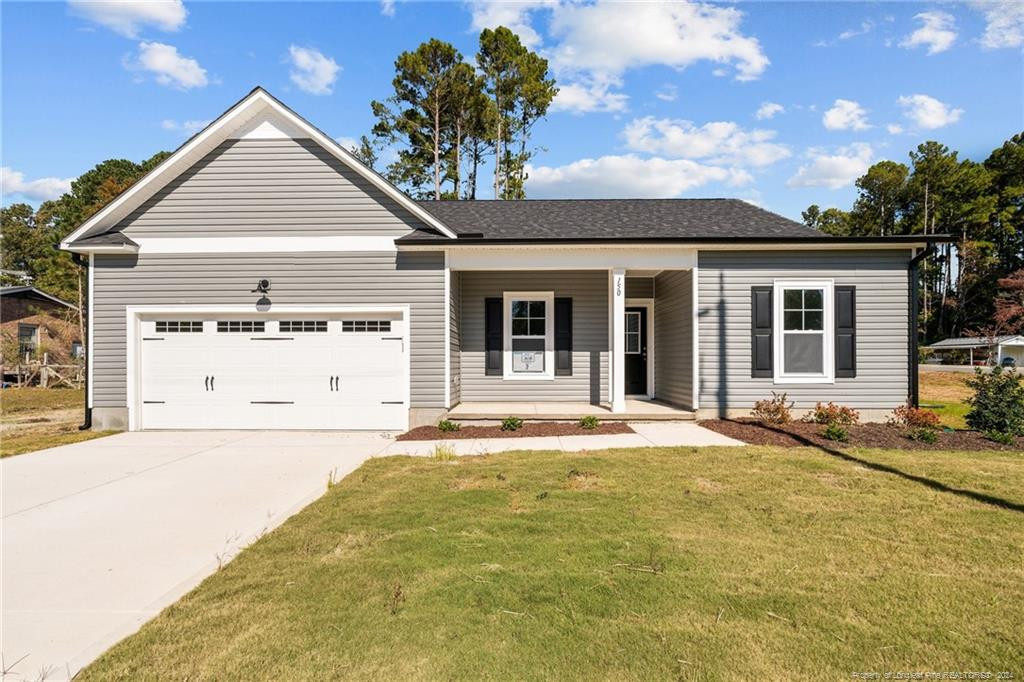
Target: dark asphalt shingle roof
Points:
(611, 219)
(106, 239)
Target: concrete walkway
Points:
(648, 434)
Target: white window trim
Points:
(828, 331)
(549, 336)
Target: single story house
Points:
(33, 322)
(262, 277)
(980, 349)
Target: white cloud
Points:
(42, 189)
(312, 71)
(591, 37)
(580, 98)
(717, 142)
(628, 176)
(128, 17)
(667, 93)
(894, 128)
(590, 52)
(349, 143)
(927, 112)
(387, 8)
(846, 114)
(937, 32)
(187, 127)
(833, 171)
(865, 27)
(768, 110)
(1004, 23)
(514, 15)
(168, 67)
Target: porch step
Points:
(496, 417)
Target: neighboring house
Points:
(261, 277)
(980, 350)
(33, 322)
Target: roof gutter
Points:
(897, 240)
(99, 248)
(913, 396)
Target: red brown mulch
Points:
(798, 434)
(528, 430)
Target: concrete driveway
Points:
(99, 536)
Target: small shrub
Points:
(775, 410)
(836, 432)
(922, 435)
(830, 413)
(447, 426)
(444, 453)
(1000, 437)
(511, 424)
(998, 402)
(914, 418)
(589, 422)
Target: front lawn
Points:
(711, 563)
(37, 418)
(944, 393)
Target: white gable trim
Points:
(253, 104)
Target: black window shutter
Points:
(563, 337)
(846, 331)
(761, 331)
(493, 336)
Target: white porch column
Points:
(618, 329)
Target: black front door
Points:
(636, 351)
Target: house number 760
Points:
(618, 287)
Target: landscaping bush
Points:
(997, 437)
(589, 422)
(836, 432)
(775, 410)
(830, 413)
(914, 418)
(511, 424)
(922, 435)
(447, 426)
(998, 402)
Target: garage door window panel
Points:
(241, 326)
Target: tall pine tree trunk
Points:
(437, 152)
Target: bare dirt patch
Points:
(528, 430)
(797, 434)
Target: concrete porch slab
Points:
(636, 409)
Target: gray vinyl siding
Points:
(454, 343)
(673, 337)
(416, 279)
(725, 280)
(248, 188)
(639, 287)
(589, 292)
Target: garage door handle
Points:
(335, 383)
(207, 383)
(211, 382)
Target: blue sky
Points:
(782, 104)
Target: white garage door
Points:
(252, 372)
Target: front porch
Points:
(568, 338)
(637, 409)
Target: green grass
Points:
(951, 414)
(944, 393)
(19, 444)
(18, 400)
(710, 563)
(37, 418)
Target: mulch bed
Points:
(528, 430)
(797, 434)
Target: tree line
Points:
(980, 204)
(446, 116)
